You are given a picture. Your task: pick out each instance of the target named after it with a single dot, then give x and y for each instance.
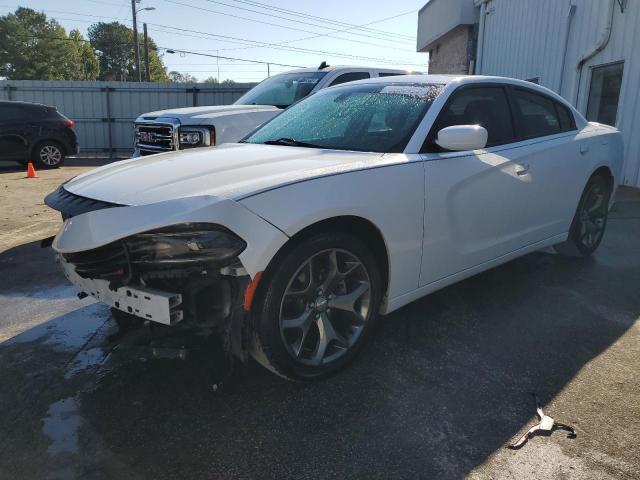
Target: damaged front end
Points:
(187, 278)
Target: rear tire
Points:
(589, 221)
(48, 154)
(316, 307)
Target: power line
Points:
(262, 22)
(243, 41)
(316, 17)
(303, 22)
(327, 34)
(191, 52)
(175, 50)
(255, 43)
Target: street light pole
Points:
(146, 53)
(136, 50)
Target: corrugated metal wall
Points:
(104, 111)
(525, 39)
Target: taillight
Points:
(69, 123)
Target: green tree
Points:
(33, 47)
(86, 57)
(228, 81)
(158, 72)
(211, 80)
(113, 43)
(177, 77)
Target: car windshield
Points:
(282, 90)
(361, 117)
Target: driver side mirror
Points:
(462, 137)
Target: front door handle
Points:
(522, 169)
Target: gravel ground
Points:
(440, 391)
(24, 216)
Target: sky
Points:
(205, 26)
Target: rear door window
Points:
(350, 77)
(537, 113)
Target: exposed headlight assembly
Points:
(185, 244)
(190, 137)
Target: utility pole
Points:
(218, 65)
(136, 50)
(146, 53)
(268, 70)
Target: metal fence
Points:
(104, 111)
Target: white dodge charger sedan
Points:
(352, 203)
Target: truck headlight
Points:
(190, 137)
(185, 244)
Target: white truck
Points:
(182, 128)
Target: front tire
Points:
(317, 306)
(48, 154)
(590, 219)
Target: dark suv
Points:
(31, 132)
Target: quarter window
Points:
(537, 114)
(567, 122)
(350, 77)
(485, 106)
(604, 93)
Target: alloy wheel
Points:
(50, 155)
(592, 217)
(325, 307)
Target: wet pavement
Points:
(439, 392)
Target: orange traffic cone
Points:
(31, 172)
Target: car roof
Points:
(332, 68)
(22, 104)
(462, 80)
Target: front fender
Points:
(390, 197)
(100, 227)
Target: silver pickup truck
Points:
(182, 128)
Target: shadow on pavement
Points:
(443, 385)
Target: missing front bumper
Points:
(147, 303)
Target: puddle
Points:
(61, 425)
(85, 359)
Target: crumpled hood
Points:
(197, 114)
(231, 170)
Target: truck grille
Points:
(109, 262)
(155, 137)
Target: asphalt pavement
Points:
(442, 388)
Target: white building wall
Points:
(525, 39)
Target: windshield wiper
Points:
(290, 142)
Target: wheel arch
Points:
(360, 227)
(40, 141)
(605, 172)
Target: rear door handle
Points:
(522, 169)
(584, 149)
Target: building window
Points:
(604, 93)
